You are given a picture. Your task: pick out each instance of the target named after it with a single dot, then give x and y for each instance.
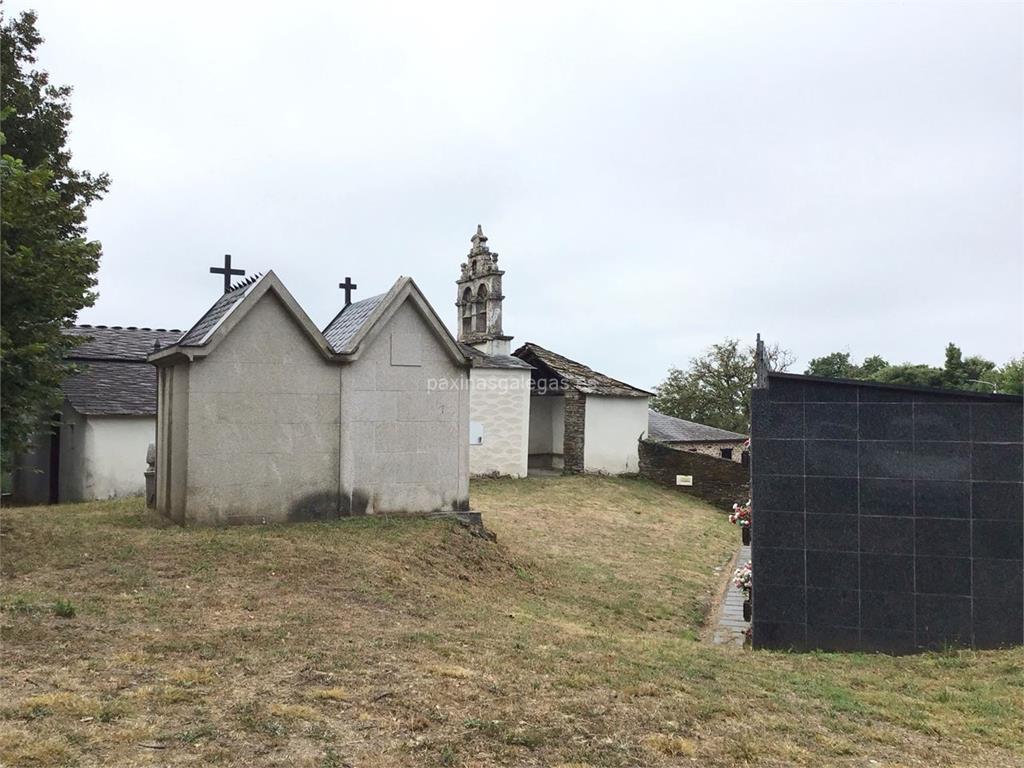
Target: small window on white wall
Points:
(476, 433)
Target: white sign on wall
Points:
(684, 479)
(476, 433)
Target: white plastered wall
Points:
(547, 424)
(613, 428)
(107, 458)
(500, 404)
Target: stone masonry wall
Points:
(719, 482)
(575, 428)
(714, 449)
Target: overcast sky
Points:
(654, 176)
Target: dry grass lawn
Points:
(576, 639)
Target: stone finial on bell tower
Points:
(479, 299)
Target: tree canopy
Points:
(47, 264)
(715, 388)
(973, 373)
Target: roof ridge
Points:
(243, 283)
(90, 327)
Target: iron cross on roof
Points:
(348, 286)
(227, 271)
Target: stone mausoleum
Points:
(261, 417)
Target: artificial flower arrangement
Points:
(743, 578)
(741, 514)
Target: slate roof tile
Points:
(344, 327)
(483, 360)
(585, 379)
(101, 342)
(112, 388)
(196, 335)
(114, 378)
(668, 429)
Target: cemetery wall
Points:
(885, 519)
(712, 449)
(718, 481)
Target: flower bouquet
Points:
(743, 579)
(741, 516)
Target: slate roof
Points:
(116, 343)
(483, 360)
(114, 378)
(585, 379)
(196, 335)
(347, 323)
(668, 429)
(108, 388)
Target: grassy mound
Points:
(573, 640)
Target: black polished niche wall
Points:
(885, 518)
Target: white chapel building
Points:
(96, 445)
(534, 408)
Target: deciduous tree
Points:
(48, 263)
(715, 388)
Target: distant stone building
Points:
(535, 409)
(698, 438)
(97, 448)
(263, 418)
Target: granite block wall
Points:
(886, 519)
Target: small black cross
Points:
(227, 271)
(348, 286)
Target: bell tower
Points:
(479, 299)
